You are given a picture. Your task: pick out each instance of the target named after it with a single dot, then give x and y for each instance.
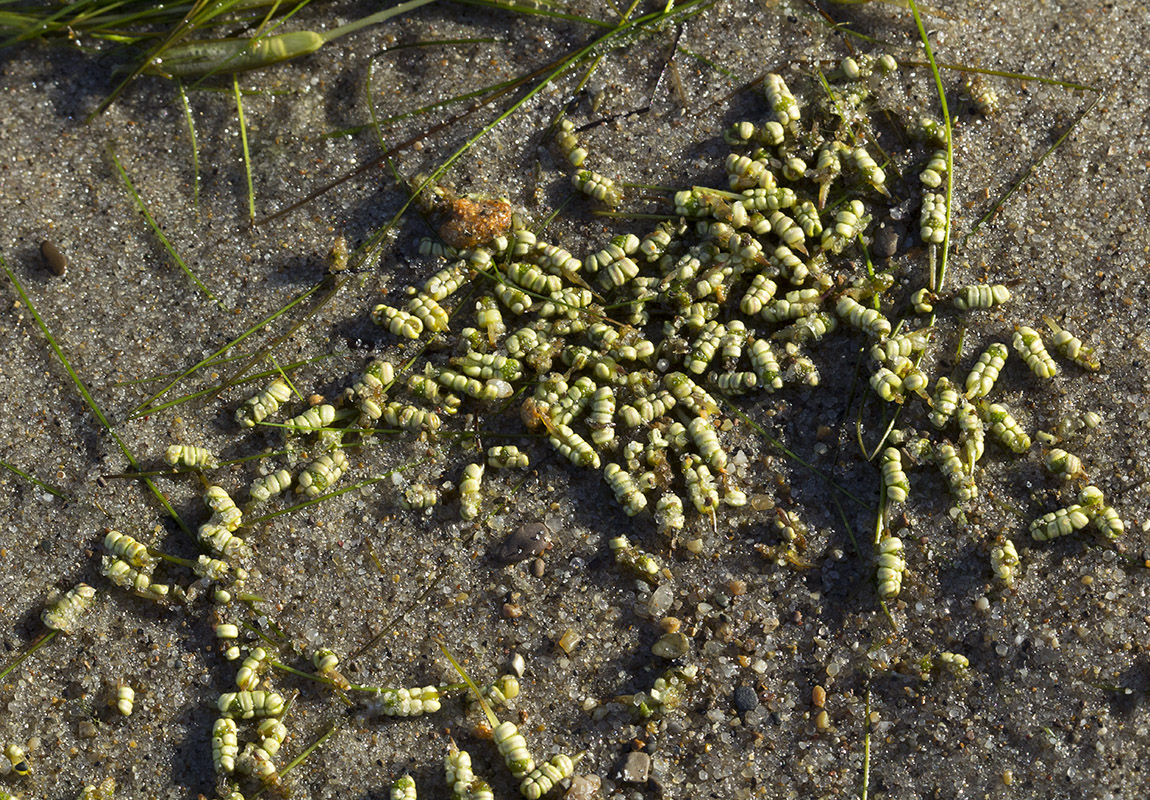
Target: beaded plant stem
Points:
(937, 279)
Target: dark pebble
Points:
(886, 239)
(526, 542)
(53, 259)
(746, 699)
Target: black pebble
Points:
(52, 257)
(746, 699)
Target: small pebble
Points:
(818, 696)
(525, 542)
(583, 787)
(568, 640)
(822, 721)
(518, 665)
(746, 699)
(886, 238)
(671, 646)
(737, 588)
(637, 767)
(670, 624)
(53, 259)
(512, 610)
(661, 599)
(538, 567)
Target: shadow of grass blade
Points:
(86, 395)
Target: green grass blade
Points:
(540, 12)
(247, 154)
(195, 149)
(264, 351)
(188, 398)
(156, 229)
(46, 487)
(776, 444)
(142, 409)
(84, 393)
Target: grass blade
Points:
(144, 408)
(46, 487)
(156, 229)
(195, 149)
(247, 154)
(84, 393)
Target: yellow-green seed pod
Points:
(1059, 523)
(404, 789)
(981, 296)
(1071, 347)
(627, 491)
(399, 323)
(1005, 428)
(1028, 344)
(1064, 465)
(868, 320)
(245, 705)
(958, 478)
(982, 377)
(270, 485)
(129, 549)
(870, 171)
(125, 699)
(935, 170)
(893, 477)
(411, 702)
(189, 457)
(469, 496)
(507, 456)
(543, 778)
(197, 59)
(322, 473)
(932, 219)
(780, 99)
(65, 612)
(513, 747)
(1004, 562)
(258, 408)
(890, 564)
(597, 186)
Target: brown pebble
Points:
(670, 624)
(538, 567)
(737, 588)
(818, 696)
(512, 610)
(53, 259)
